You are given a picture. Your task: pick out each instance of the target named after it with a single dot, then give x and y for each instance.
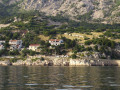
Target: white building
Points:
(34, 47)
(15, 44)
(55, 42)
(2, 42)
(1, 47)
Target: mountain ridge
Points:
(102, 11)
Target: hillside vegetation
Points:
(79, 23)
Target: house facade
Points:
(15, 44)
(34, 47)
(1, 47)
(55, 42)
(2, 42)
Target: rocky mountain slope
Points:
(104, 11)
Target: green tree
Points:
(74, 56)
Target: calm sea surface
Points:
(59, 78)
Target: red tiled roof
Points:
(34, 44)
(13, 40)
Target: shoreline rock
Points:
(62, 62)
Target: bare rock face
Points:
(9, 2)
(53, 7)
(98, 14)
(103, 10)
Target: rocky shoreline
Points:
(57, 61)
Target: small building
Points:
(1, 47)
(56, 42)
(34, 47)
(2, 42)
(15, 44)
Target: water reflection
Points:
(59, 78)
